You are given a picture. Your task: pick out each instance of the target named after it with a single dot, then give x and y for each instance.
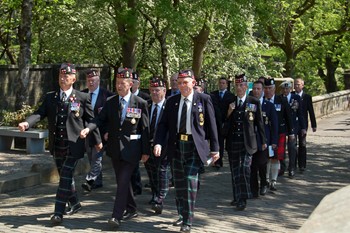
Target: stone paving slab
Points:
(29, 209)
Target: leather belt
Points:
(185, 137)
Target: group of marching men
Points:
(169, 131)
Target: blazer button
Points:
(120, 129)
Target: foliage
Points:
(14, 118)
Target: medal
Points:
(201, 119)
(266, 120)
(251, 116)
(77, 114)
(133, 121)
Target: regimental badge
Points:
(77, 114)
(200, 107)
(201, 119)
(251, 118)
(133, 121)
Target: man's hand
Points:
(157, 150)
(84, 132)
(230, 109)
(105, 136)
(23, 126)
(144, 158)
(215, 156)
(274, 146)
(314, 130)
(264, 146)
(303, 132)
(99, 147)
(291, 137)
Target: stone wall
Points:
(330, 103)
(43, 78)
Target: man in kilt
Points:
(189, 121)
(67, 110)
(244, 124)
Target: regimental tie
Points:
(121, 108)
(221, 94)
(183, 119)
(240, 103)
(153, 120)
(64, 97)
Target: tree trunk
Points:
(164, 53)
(199, 43)
(25, 37)
(328, 79)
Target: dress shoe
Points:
(291, 174)
(234, 203)
(73, 209)
(241, 205)
(86, 186)
(273, 186)
(302, 169)
(178, 222)
(56, 219)
(158, 208)
(137, 192)
(113, 222)
(263, 190)
(129, 215)
(185, 228)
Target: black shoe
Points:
(178, 222)
(234, 203)
(72, 210)
(241, 205)
(273, 186)
(158, 208)
(302, 169)
(129, 215)
(86, 186)
(291, 174)
(148, 185)
(263, 190)
(114, 223)
(137, 192)
(281, 173)
(96, 186)
(56, 219)
(185, 228)
(255, 196)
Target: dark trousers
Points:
(221, 139)
(136, 180)
(258, 170)
(66, 191)
(186, 164)
(124, 198)
(301, 152)
(292, 153)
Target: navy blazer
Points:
(252, 128)
(127, 141)
(270, 121)
(168, 124)
(74, 124)
(102, 96)
(307, 109)
(285, 124)
(296, 113)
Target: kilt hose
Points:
(158, 170)
(240, 162)
(66, 191)
(186, 164)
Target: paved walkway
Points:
(28, 210)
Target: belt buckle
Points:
(183, 137)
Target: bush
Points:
(8, 118)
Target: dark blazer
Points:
(270, 121)
(169, 93)
(164, 147)
(285, 124)
(308, 109)
(251, 128)
(221, 106)
(122, 143)
(102, 96)
(75, 122)
(168, 124)
(296, 113)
